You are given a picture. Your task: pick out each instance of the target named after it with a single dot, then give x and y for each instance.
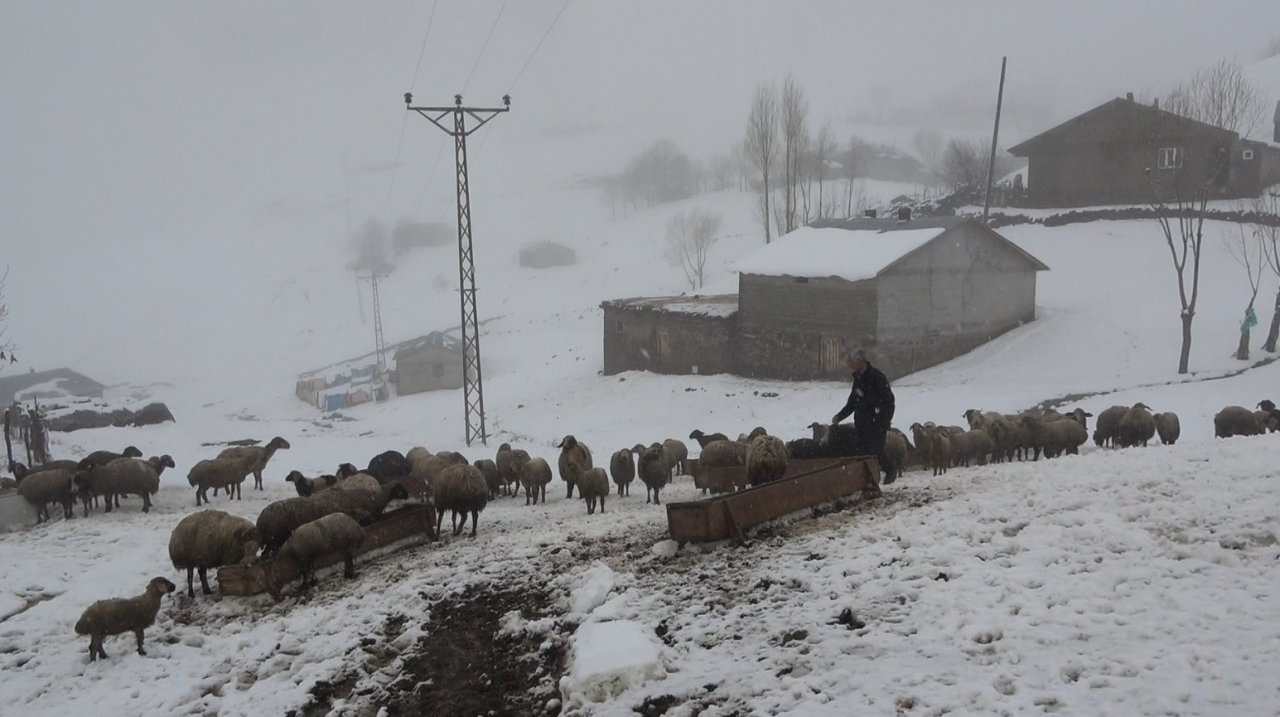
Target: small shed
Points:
(431, 363)
(546, 254)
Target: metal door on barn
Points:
(829, 356)
(664, 349)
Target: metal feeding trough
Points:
(17, 513)
(808, 483)
(402, 527)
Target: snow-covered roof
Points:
(719, 306)
(852, 255)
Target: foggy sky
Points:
(144, 124)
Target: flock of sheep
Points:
(328, 515)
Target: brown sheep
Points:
(575, 459)
(211, 539)
(119, 615)
(594, 486)
(255, 458)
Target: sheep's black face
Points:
(131, 452)
(568, 443)
(163, 585)
(167, 461)
(293, 477)
(278, 443)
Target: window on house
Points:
(1169, 158)
(1246, 154)
(437, 370)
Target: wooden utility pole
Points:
(472, 386)
(995, 137)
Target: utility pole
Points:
(995, 137)
(380, 346)
(472, 386)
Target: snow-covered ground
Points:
(1126, 582)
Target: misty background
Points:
(155, 157)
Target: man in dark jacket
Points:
(871, 404)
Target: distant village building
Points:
(546, 254)
(1104, 155)
(915, 293)
(880, 161)
(46, 385)
(431, 363)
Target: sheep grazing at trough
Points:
(492, 478)
(653, 472)
(217, 473)
(971, 447)
(1054, 438)
(120, 615)
(506, 472)
(254, 458)
(1106, 429)
(1137, 427)
(766, 459)
(429, 468)
(360, 496)
(622, 466)
(802, 448)
(535, 474)
(594, 486)
(1236, 421)
(1168, 427)
(40, 488)
(706, 439)
(941, 449)
(388, 466)
(211, 539)
(334, 533)
(575, 459)
(677, 455)
(721, 454)
(123, 476)
(309, 486)
(461, 490)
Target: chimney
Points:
(1128, 96)
(869, 213)
(1276, 137)
(904, 214)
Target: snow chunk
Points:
(665, 549)
(610, 657)
(852, 255)
(592, 589)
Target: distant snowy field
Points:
(1127, 582)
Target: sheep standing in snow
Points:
(1106, 430)
(254, 458)
(506, 473)
(924, 444)
(1235, 421)
(1137, 427)
(706, 439)
(492, 478)
(334, 533)
(1055, 438)
(622, 466)
(309, 486)
(653, 472)
(535, 474)
(940, 450)
(461, 490)
(594, 486)
(40, 488)
(388, 466)
(677, 453)
(101, 458)
(1268, 416)
(575, 459)
(125, 476)
(217, 473)
(766, 459)
(971, 447)
(119, 615)
(1168, 427)
(211, 539)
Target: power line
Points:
(395, 167)
(492, 27)
(551, 27)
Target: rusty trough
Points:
(399, 528)
(808, 483)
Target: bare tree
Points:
(690, 236)
(661, 173)
(1221, 95)
(1246, 247)
(761, 145)
(1182, 223)
(849, 166)
(964, 164)
(6, 344)
(1268, 205)
(824, 149)
(795, 114)
(928, 144)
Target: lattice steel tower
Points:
(472, 385)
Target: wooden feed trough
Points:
(401, 527)
(808, 483)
